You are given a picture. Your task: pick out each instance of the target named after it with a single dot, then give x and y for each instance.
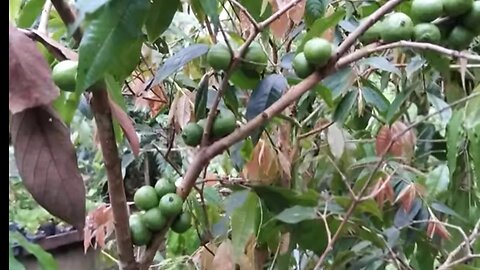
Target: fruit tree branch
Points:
(246, 13)
(103, 119)
(43, 25)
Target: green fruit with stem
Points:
(64, 75)
(372, 34)
(426, 10)
(454, 8)
(192, 134)
(427, 32)
(140, 234)
(397, 26)
(171, 204)
(460, 38)
(471, 20)
(301, 66)
(182, 223)
(164, 186)
(255, 60)
(146, 198)
(219, 57)
(223, 124)
(317, 51)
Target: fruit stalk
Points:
(103, 119)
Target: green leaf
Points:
(414, 65)
(115, 91)
(13, 9)
(201, 98)
(297, 214)
(85, 7)
(440, 207)
(277, 198)
(211, 9)
(254, 7)
(437, 180)
(320, 26)
(45, 259)
(395, 109)
(374, 97)
(474, 145)
(212, 196)
(310, 235)
(439, 104)
(314, 9)
(339, 82)
(381, 63)
(472, 110)
(438, 61)
(66, 105)
(268, 90)
(368, 206)
(453, 136)
(122, 67)
(242, 81)
(109, 36)
(344, 107)
(245, 221)
(178, 60)
(159, 18)
(29, 13)
(231, 100)
(13, 264)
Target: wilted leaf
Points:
(126, 123)
(30, 79)
(159, 18)
(223, 259)
(47, 163)
(436, 228)
(286, 165)
(98, 224)
(112, 36)
(56, 48)
(396, 140)
(296, 13)
(264, 167)
(280, 26)
(336, 141)
(407, 196)
(178, 60)
(181, 110)
(297, 214)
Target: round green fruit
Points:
(64, 75)
(182, 223)
(301, 66)
(219, 57)
(427, 32)
(471, 20)
(317, 51)
(154, 219)
(223, 124)
(164, 186)
(171, 204)
(192, 134)
(372, 34)
(427, 10)
(255, 59)
(139, 232)
(455, 8)
(146, 198)
(459, 38)
(398, 26)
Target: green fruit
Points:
(455, 8)
(317, 51)
(471, 20)
(139, 232)
(154, 219)
(182, 223)
(459, 38)
(192, 134)
(372, 34)
(301, 66)
(223, 124)
(219, 57)
(171, 204)
(427, 10)
(398, 26)
(427, 32)
(64, 75)
(146, 198)
(164, 186)
(255, 59)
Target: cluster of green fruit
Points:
(316, 53)
(219, 57)
(223, 124)
(457, 30)
(64, 75)
(158, 203)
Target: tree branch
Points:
(43, 25)
(245, 11)
(103, 119)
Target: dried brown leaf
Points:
(263, 168)
(296, 13)
(181, 110)
(47, 163)
(203, 258)
(223, 257)
(126, 123)
(406, 197)
(279, 27)
(99, 223)
(30, 78)
(54, 47)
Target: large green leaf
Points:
(297, 214)
(320, 26)
(314, 9)
(344, 107)
(13, 264)
(374, 97)
(13, 9)
(201, 98)
(395, 109)
(245, 221)
(453, 136)
(437, 181)
(381, 63)
(45, 259)
(254, 7)
(111, 35)
(211, 9)
(160, 17)
(66, 105)
(29, 13)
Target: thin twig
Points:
(43, 24)
(247, 14)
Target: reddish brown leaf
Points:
(30, 79)
(279, 27)
(223, 259)
(406, 197)
(47, 163)
(57, 49)
(99, 223)
(296, 13)
(264, 166)
(126, 124)
(181, 110)
(403, 145)
(436, 228)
